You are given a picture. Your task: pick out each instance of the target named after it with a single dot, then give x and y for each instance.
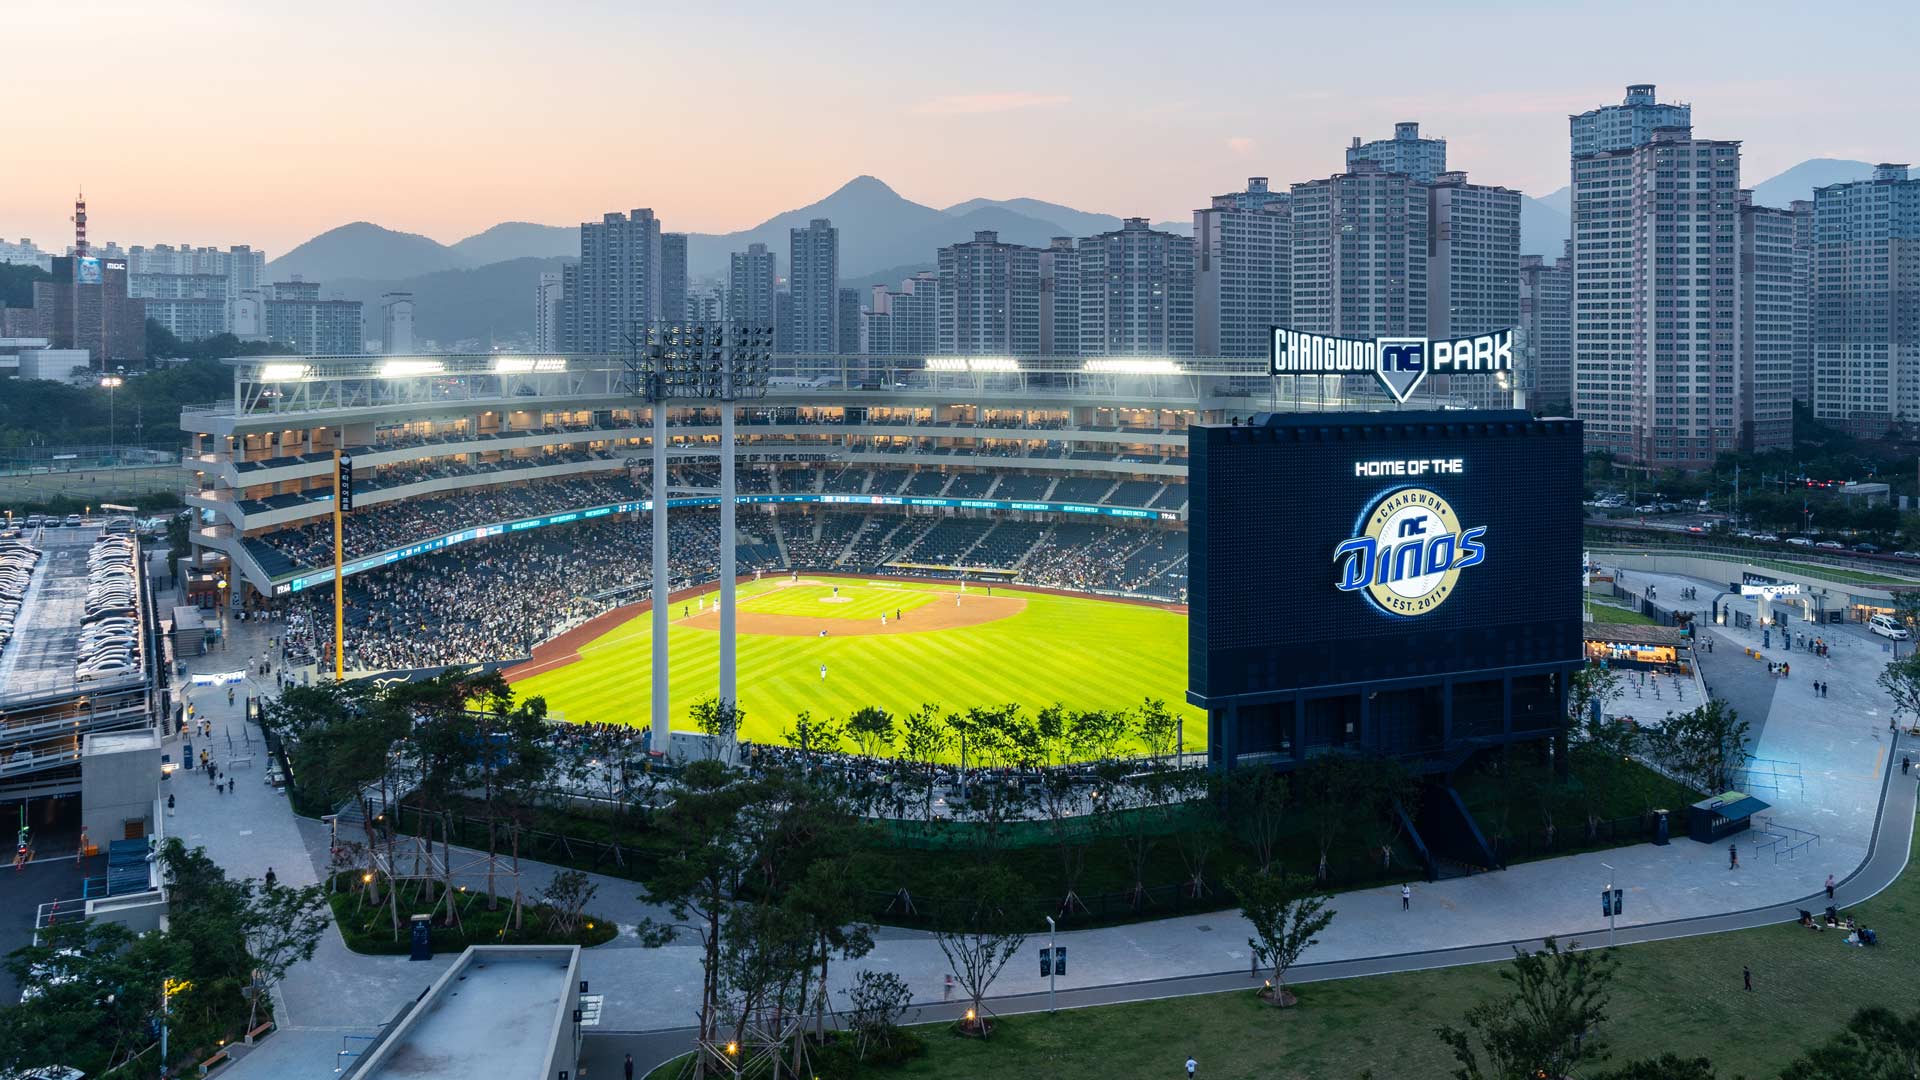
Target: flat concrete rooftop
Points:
(492, 1015)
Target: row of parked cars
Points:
(1863, 547)
(110, 627)
(17, 560)
(54, 521)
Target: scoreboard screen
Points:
(1349, 548)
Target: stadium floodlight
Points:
(408, 369)
(284, 373)
(946, 363)
(722, 362)
(528, 365)
(1132, 365)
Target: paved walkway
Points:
(1839, 744)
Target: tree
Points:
(1334, 789)
(871, 730)
(1156, 728)
(924, 739)
(91, 992)
(697, 884)
(1288, 912)
(1901, 681)
(284, 924)
(1547, 1026)
(877, 1000)
(814, 737)
(976, 934)
(1256, 803)
(1878, 1044)
(720, 722)
(567, 895)
(1706, 745)
(1590, 686)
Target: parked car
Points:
(1907, 555)
(1799, 541)
(1766, 538)
(1865, 548)
(1831, 545)
(74, 521)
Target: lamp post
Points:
(1051, 968)
(112, 383)
(1613, 909)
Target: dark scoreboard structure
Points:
(1404, 583)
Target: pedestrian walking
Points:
(230, 783)
(1192, 1065)
(628, 1065)
(823, 673)
(1906, 762)
(1733, 856)
(1406, 897)
(1829, 886)
(270, 878)
(1746, 977)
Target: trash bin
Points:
(1661, 836)
(422, 937)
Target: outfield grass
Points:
(1683, 995)
(1081, 652)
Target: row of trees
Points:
(96, 991)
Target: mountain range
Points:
(481, 287)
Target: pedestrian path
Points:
(1678, 889)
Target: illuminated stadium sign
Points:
(1409, 552)
(1400, 363)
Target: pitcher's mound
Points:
(971, 611)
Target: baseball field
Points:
(832, 646)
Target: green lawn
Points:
(847, 601)
(1682, 995)
(1083, 652)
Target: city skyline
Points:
(1055, 112)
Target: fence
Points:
(1579, 837)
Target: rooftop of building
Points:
(494, 1013)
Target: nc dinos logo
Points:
(1409, 552)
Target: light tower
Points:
(698, 361)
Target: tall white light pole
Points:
(728, 491)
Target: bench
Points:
(265, 1027)
(237, 762)
(218, 1059)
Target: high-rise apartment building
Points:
(1658, 373)
(783, 329)
(708, 304)
(1243, 272)
(295, 315)
(1866, 300)
(396, 323)
(192, 289)
(1473, 272)
(617, 285)
(1360, 254)
(547, 309)
(1136, 292)
(813, 278)
(1406, 152)
(85, 306)
(1803, 302)
(1603, 141)
(989, 298)
(1545, 349)
(1060, 298)
(902, 322)
(750, 281)
(673, 275)
(1626, 125)
(846, 322)
(1771, 290)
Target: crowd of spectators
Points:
(495, 599)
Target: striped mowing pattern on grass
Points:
(820, 601)
(1082, 652)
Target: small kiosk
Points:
(1719, 816)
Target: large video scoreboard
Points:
(1346, 549)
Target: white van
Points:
(1888, 627)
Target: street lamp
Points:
(112, 383)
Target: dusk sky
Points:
(216, 122)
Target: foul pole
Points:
(339, 579)
(728, 492)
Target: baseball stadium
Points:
(964, 532)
